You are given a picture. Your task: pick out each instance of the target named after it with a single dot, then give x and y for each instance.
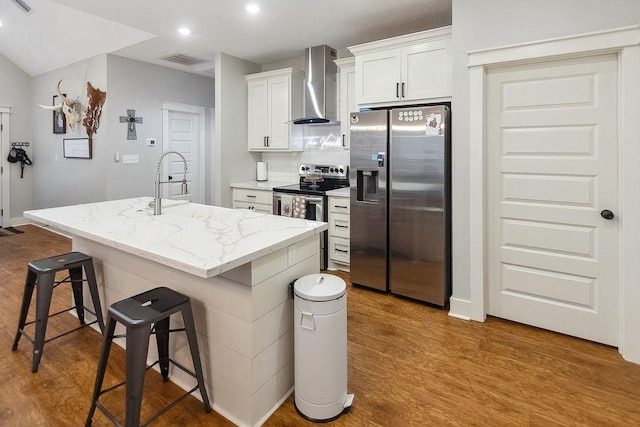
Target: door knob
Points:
(607, 214)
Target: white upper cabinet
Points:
(275, 98)
(405, 69)
(347, 103)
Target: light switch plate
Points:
(151, 142)
(128, 159)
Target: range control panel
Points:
(326, 171)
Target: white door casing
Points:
(184, 132)
(625, 43)
(5, 177)
(551, 169)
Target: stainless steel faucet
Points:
(157, 201)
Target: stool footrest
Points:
(32, 340)
(66, 310)
(165, 409)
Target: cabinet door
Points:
(378, 76)
(426, 71)
(347, 101)
(278, 113)
(257, 114)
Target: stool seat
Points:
(41, 276)
(148, 307)
(142, 315)
(59, 262)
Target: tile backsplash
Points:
(322, 145)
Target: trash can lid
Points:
(319, 287)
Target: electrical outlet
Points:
(128, 159)
(291, 255)
(151, 142)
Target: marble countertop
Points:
(340, 192)
(260, 185)
(198, 239)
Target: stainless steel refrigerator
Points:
(400, 202)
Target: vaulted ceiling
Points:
(59, 32)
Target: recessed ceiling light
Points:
(0, 23)
(184, 31)
(253, 8)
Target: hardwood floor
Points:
(409, 365)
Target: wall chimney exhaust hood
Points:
(320, 97)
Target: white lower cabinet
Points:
(339, 233)
(255, 200)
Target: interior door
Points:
(184, 137)
(552, 177)
(5, 171)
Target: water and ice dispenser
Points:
(368, 181)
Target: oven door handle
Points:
(313, 200)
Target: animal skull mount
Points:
(68, 107)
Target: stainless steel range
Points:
(311, 190)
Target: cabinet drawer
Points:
(339, 225)
(339, 204)
(258, 207)
(339, 249)
(253, 196)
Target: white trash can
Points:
(320, 342)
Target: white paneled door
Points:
(183, 137)
(5, 172)
(551, 178)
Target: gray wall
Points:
(129, 85)
(493, 23)
(143, 87)
(15, 89)
(59, 181)
(233, 162)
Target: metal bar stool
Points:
(142, 315)
(42, 274)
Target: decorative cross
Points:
(131, 119)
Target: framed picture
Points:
(77, 148)
(59, 119)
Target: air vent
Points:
(183, 59)
(24, 6)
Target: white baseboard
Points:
(460, 308)
(20, 220)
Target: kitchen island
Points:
(235, 265)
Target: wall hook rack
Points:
(20, 144)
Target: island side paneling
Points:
(244, 320)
